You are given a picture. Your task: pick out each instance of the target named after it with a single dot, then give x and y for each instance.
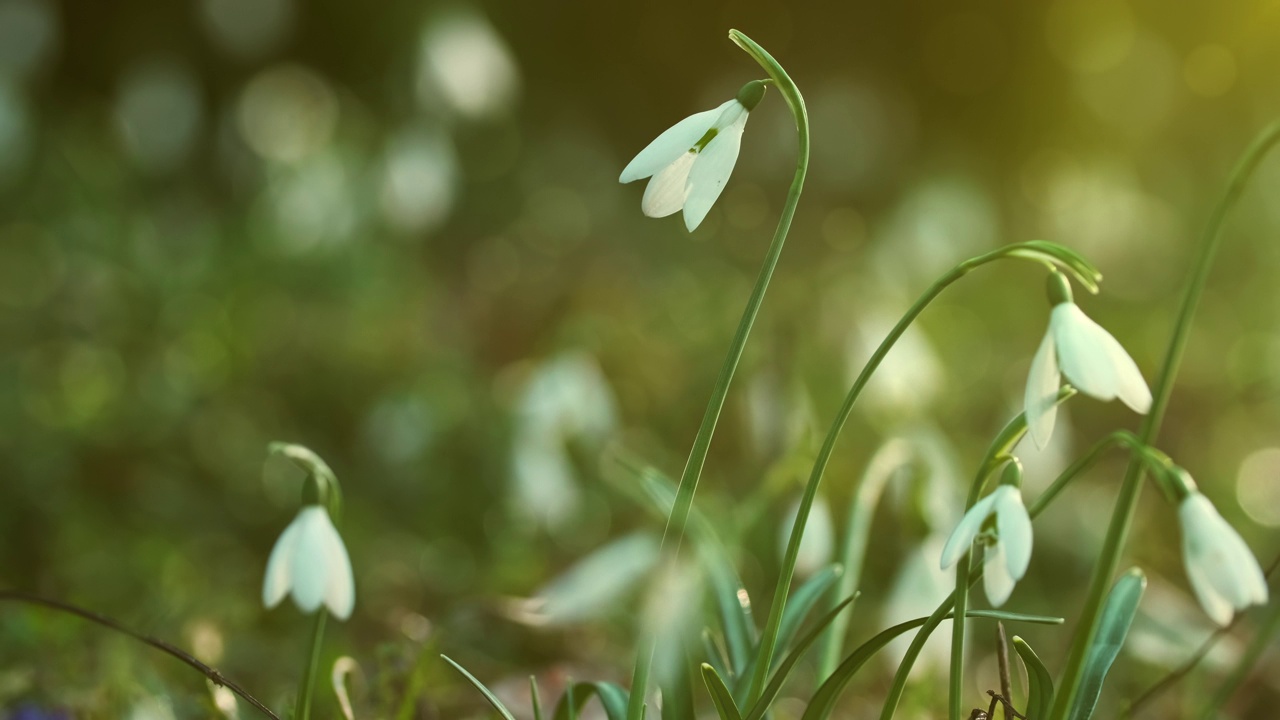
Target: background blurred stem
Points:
(213, 675)
(1122, 516)
(1259, 643)
(676, 522)
(302, 708)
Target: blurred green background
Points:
(393, 232)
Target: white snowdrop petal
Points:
(1082, 353)
(1223, 572)
(711, 172)
(666, 192)
(310, 573)
(996, 579)
(1014, 525)
(1131, 387)
(1043, 382)
(275, 584)
(668, 146)
(968, 528)
(340, 592)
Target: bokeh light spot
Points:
(464, 60)
(247, 28)
(1258, 486)
(158, 113)
(419, 181)
(287, 113)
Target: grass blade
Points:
(720, 695)
(780, 676)
(493, 700)
(576, 695)
(1039, 681)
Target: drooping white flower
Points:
(691, 161)
(1090, 357)
(1224, 574)
(310, 561)
(1006, 558)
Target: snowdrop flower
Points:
(1093, 361)
(1007, 556)
(1224, 574)
(691, 162)
(310, 561)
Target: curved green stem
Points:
(1122, 515)
(1045, 253)
(679, 517)
(302, 708)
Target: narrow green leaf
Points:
(577, 694)
(798, 607)
(734, 608)
(720, 695)
(533, 698)
(1113, 627)
(784, 669)
(493, 700)
(1039, 681)
(803, 601)
(824, 699)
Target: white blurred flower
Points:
(565, 398)
(1093, 361)
(691, 161)
(1224, 574)
(817, 544)
(920, 586)
(310, 561)
(1006, 558)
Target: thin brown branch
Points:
(213, 675)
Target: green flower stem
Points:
(679, 517)
(1257, 645)
(302, 708)
(769, 639)
(1122, 516)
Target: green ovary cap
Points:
(751, 94)
(1058, 288)
(1012, 474)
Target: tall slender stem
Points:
(302, 708)
(679, 517)
(1122, 515)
